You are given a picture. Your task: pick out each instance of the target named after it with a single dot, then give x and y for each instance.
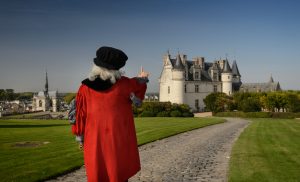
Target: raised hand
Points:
(143, 74)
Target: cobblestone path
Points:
(198, 155)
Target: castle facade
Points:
(188, 82)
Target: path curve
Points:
(198, 155)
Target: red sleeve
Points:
(79, 126)
(139, 89)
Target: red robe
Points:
(105, 118)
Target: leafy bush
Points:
(283, 115)
(250, 104)
(258, 114)
(163, 114)
(187, 114)
(147, 114)
(161, 109)
(69, 97)
(175, 113)
(297, 115)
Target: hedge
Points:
(162, 109)
(283, 115)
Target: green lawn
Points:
(56, 150)
(268, 150)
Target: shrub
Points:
(187, 114)
(258, 114)
(163, 114)
(297, 115)
(147, 114)
(283, 115)
(161, 109)
(250, 104)
(175, 113)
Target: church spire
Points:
(46, 84)
(271, 79)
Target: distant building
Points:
(151, 97)
(46, 100)
(186, 81)
(270, 86)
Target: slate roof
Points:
(177, 63)
(235, 69)
(260, 87)
(226, 68)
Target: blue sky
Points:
(62, 36)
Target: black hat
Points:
(110, 58)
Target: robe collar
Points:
(98, 84)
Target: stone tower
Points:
(178, 77)
(226, 78)
(165, 79)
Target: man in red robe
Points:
(104, 118)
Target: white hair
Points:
(104, 74)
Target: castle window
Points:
(197, 104)
(196, 88)
(215, 77)
(40, 103)
(228, 77)
(184, 88)
(196, 75)
(215, 88)
(168, 89)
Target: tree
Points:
(2, 94)
(216, 102)
(69, 97)
(25, 96)
(250, 104)
(293, 102)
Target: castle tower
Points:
(165, 79)
(178, 79)
(226, 77)
(236, 77)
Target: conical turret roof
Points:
(178, 63)
(235, 69)
(226, 68)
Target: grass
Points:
(56, 151)
(268, 150)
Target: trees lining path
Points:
(198, 155)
